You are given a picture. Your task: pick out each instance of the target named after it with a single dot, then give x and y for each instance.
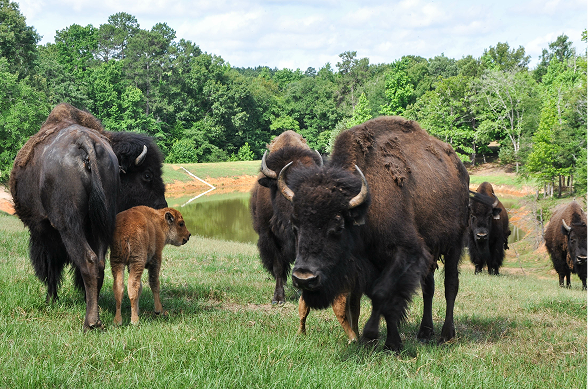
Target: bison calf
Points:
(565, 240)
(139, 237)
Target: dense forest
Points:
(201, 109)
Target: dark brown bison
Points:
(488, 231)
(380, 234)
(139, 237)
(565, 240)
(271, 214)
(68, 182)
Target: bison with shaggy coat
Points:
(488, 231)
(139, 237)
(68, 182)
(565, 240)
(271, 214)
(380, 232)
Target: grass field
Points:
(517, 330)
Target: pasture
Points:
(517, 330)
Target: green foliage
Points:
(18, 42)
(361, 113)
(399, 89)
(23, 108)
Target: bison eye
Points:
(147, 176)
(181, 224)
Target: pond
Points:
(227, 216)
(222, 216)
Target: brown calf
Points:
(139, 237)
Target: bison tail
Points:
(102, 219)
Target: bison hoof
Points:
(393, 348)
(278, 302)
(425, 334)
(96, 326)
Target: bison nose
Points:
(304, 279)
(187, 238)
(581, 259)
(481, 235)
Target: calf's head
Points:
(329, 205)
(177, 233)
(576, 238)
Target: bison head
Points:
(329, 205)
(483, 210)
(177, 234)
(140, 163)
(575, 234)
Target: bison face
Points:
(576, 237)
(481, 219)
(177, 234)
(329, 205)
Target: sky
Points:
(302, 34)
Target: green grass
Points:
(172, 172)
(499, 179)
(513, 331)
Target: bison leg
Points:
(354, 309)
(134, 290)
(343, 314)
(303, 311)
(153, 270)
(451, 289)
(88, 263)
(280, 275)
(428, 286)
(118, 274)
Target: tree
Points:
(399, 89)
(18, 42)
(353, 73)
(502, 57)
(508, 107)
(23, 108)
(361, 113)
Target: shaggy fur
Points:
(139, 237)
(567, 249)
(488, 231)
(67, 185)
(416, 212)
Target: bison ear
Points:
(265, 181)
(496, 213)
(358, 215)
(169, 217)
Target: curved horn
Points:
(360, 198)
(563, 222)
(287, 192)
(320, 158)
(141, 156)
(495, 203)
(265, 170)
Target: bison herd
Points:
(374, 218)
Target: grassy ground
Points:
(173, 172)
(518, 330)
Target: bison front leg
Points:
(280, 273)
(303, 311)
(451, 289)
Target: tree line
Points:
(201, 109)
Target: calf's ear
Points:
(169, 217)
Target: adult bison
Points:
(380, 232)
(271, 214)
(565, 240)
(68, 182)
(488, 231)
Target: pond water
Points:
(227, 217)
(223, 216)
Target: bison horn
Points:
(141, 156)
(265, 170)
(563, 222)
(360, 198)
(495, 203)
(320, 158)
(287, 192)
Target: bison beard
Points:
(418, 191)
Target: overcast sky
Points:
(304, 33)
